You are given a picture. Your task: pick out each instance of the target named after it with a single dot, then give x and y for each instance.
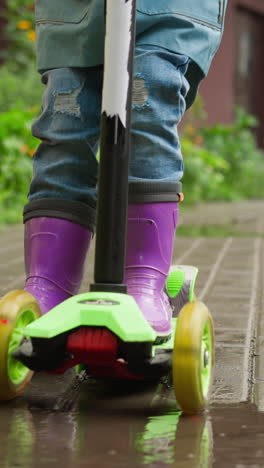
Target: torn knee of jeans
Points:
(66, 102)
(140, 92)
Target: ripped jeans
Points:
(65, 165)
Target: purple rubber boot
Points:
(150, 239)
(55, 251)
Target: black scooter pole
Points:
(114, 147)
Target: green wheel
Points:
(193, 357)
(17, 310)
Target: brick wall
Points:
(223, 89)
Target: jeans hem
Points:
(70, 210)
(154, 191)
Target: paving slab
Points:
(230, 282)
(244, 217)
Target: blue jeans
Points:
(65, 165)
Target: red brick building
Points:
(237, 73)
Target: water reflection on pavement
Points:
(124, 426)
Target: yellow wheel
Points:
(193, 357)
(17, 310)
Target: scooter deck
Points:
(105, 323)
(117, 312)
(105, 331)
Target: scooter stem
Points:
(115, 146)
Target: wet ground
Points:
(62, 421)
(112, 427)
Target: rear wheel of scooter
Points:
(193, 357)
(17, 310)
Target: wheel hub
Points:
(206, 358)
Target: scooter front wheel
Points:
(193, 357)
(17, 310)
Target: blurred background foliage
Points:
(221, 162)
(20, 33)
(20, 103)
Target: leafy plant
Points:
(22, 90)
(20, 101)
(204, 172)
(16, 147)
(237, 145)
(223, 162)
(20, 33)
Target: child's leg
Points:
(160, 88)
(65, 166)
(60, 216)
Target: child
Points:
(175, 43)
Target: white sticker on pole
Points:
(117, 45)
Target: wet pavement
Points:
(57, 421)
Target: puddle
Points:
(126, 426)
